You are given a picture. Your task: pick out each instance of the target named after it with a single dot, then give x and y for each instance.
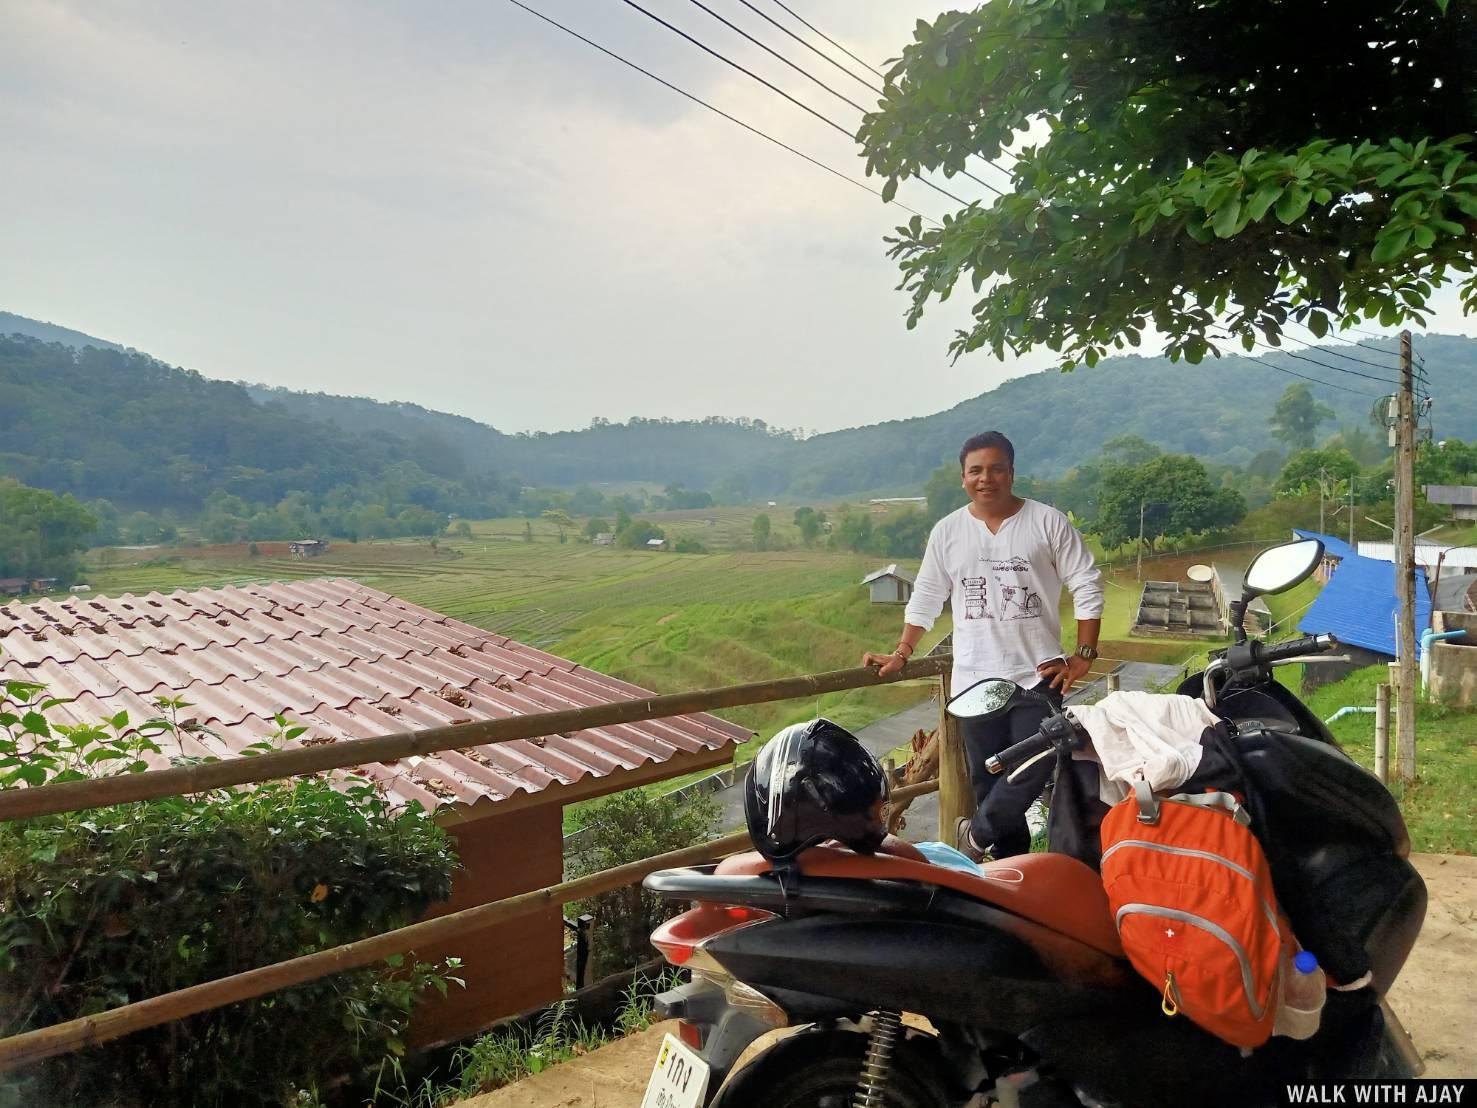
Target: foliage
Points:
(944, 491)
(627, 827)
(596, 526)
(41, 533)
(902, 535)
(637, 533)
(1309, 470)
(113, 905)
(1296, 417)
(853, 530)
(811, 523)
(689, 546)
(761, 532)
(1195, 164)
(677, 498)
(1448, 462)
(560, 519)
(1172, 495)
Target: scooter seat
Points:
(1054, 890)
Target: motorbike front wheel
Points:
(820, 1069)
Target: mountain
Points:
(152, 435)
(11, 324)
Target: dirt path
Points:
(1435, 998)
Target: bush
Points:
(113, 905)
(625, 828)
(689, 546)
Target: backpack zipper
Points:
(1203, 855)
(1248, 986)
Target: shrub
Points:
(113, 905)
(627, 827)
(689, 546)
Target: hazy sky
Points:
(456, 204)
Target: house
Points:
(308, 548)
(41, 585)
(605, 538)
(656, 544)
(12, 586)
(353, 662)
(1228, 586)
(1335, 550)
(1428, 554)
(890, 585)
(1359, 606)
(1462, 499)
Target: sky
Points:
(456, 204)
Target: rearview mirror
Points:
(984, 699)
(1279, 568)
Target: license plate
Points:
(679, 1079)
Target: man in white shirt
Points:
(1002, 561)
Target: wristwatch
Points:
(1088, 652)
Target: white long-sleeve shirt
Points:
(1006, 589)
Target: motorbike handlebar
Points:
(1296, 648)
(1015, 758)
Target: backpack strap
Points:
(1148, 803)
(1224, 801)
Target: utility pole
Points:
(1352, 479)
(1405, 562)
(1322, 495)
(1140, 570)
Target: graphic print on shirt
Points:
(977, 598)
(1017, 600)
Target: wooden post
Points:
(1382, 732)
(956, 794)
(1405, 564)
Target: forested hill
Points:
(11, 324)
(117, 424)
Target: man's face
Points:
(988, 477)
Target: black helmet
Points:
(811, 782)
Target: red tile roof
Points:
(346, 660)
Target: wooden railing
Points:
(34, 1046)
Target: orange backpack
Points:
(1191, 894)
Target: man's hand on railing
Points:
(885, 664)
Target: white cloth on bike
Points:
(1149, 735)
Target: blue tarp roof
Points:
(1358, 604)
(1333, 546)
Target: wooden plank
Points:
(73, 796)
(956, 794)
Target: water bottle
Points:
(1304, 988)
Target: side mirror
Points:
(985, 699)
(1280, 568)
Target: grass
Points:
(1441, 806)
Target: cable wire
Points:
(1331, 346)
(1325, 365)
(773, 87)
(811, 76)
(719, 111)
(1304, 376)
(828, 38)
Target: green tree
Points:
(854, 532)
(811, 523)
(41, 533)
(1130, 450)
(622, 520)
(596, 526)
(528, 532)
(903, 535)
(560, 519)
(638, 533)
(463, 529)
(1177, 498)
(1296, 417)
(1308, 471)
(1448, 462)
(1169, 185)
(761, 532)
(944, 491)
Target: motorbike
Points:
(1015, 985)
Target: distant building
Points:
(1359, 606)
(898, 500)
(1335, 550)
(308, 548)
(890, 585)
(12, 586)
(1462, 499)
(656, 544)
(605, 538)
(43, 584)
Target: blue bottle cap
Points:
(1305, 961)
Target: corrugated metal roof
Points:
(889, 571)
(1465, 495)
(1358, 605)
(1426, 554)
(349, 662)
(1333, 546)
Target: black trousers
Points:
(1000, 806)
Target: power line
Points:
(828, 38)
(772, 87)
(811, 76)
(1326, 365)
(1304, 376)
(1332, 348)
(719, 111)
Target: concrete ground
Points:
(1435, 998)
